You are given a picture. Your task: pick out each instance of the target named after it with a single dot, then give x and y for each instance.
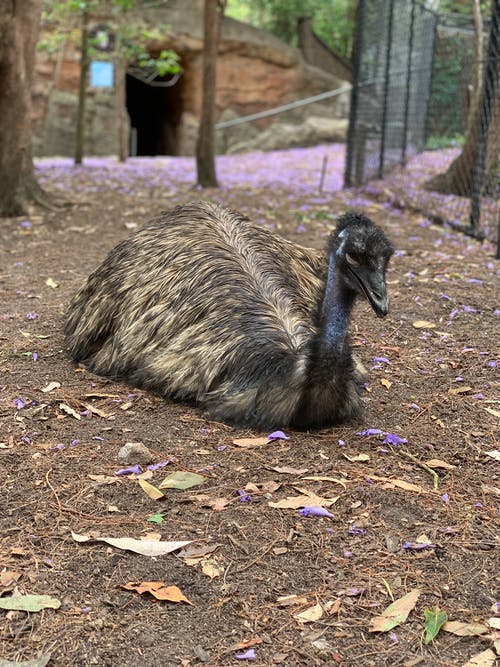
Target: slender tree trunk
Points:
(19, 24)
(121, 108)
(82, 87)
(205, 146)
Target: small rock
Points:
(133, 453)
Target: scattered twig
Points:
(425, 467)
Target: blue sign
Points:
(101, 74)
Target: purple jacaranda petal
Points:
(445, 498)
(133, 470)
(478, 505)
(454, 312)
(469, 309)
(74, 443)
(315, 511)
(393, 638)
(26, 440)
(474, 281)
(354, 530)
(479, 396)
(247, 655)
(371, 431)
(278, 435)
(341, 442)
(347, 554)
(98, 437)
(492, 364)
(221, 448)
(19, 403)
(244, 496)
(25, 224)
(59, 447)
(394, 439)
(157, 466)
(31, 316)
(34, 356)
(381, 360)
(417, 546)
(445, 297)
(458, 379)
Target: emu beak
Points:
(374, 288)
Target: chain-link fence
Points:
(425, 84)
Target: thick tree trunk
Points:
(122, 122)
(205, 146)
(19, 23)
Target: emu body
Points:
(201, 304)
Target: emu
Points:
(200, 304)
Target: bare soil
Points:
(433, 366)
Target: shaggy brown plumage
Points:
(201, 304)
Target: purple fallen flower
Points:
(445, 498)
(474, 281)
(445, 297)
(371, 431)
(479, 505)
(34, 356)
(393, 637)
(59, 447)
(244, 496)
(454, 312)
(248, 655)
(493, 364)
(458, 379)
(278, 435)
(469, 309)
(418, 546)
(315, 511)
(157, 466)
(31, 316)
(394, 439)
(381, 360)
(73, 443)
(133, 470)
(98, 437)
(26, 440)
(341, 442)
(354, 530)
(19, 404)
(25, 224)
(479, 396)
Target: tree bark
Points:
(122, 122)
(459, 178)
(19, 24)
(205, 146)
(82, 88)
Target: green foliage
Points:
(439, 142)
(61, 22)
(435, 618)
(333, 22)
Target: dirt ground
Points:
(396, 525)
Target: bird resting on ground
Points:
(202, 304)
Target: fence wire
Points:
(415, 92)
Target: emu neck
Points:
(335, 313)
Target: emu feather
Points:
(201, 304)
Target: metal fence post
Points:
(386, 90)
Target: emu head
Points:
(361, 252)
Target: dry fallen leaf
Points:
(306, 499)
(396, 613)
(50, 387)
(387, 383)
(137, 546)
(438, 463)
(459, 390)
(494, 453)
(320, 478)
(290, 600)
(158, 590)
(484, 659)
(251, 442)
(310, 615)
(495, 413)
(287, 470)
(150, 490)
(66, 408)
(465, 629)
(211, 568)
(423, 324)
(357, 458)
(50, 282)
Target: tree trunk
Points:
(205, 146)
(19, 23)
(459, 178)
(82, 87)
(121, 108)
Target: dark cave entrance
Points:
(155, 113)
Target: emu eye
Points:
(351, 259)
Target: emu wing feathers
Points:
(202, 304)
